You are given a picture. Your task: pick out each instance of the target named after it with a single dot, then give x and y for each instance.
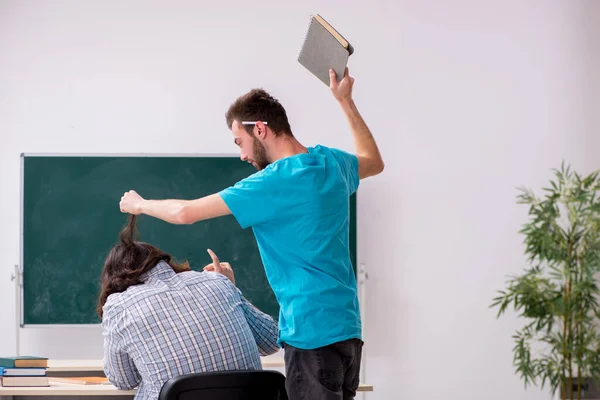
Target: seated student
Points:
(162, 320)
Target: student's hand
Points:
(221, 267)
(342, 91)
(131, 203)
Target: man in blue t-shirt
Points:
(298, 207)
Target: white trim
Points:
(362, 277)
(20, 317)
(129, 155)
(17, 279)
(74, 325)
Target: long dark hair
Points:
(127, 261)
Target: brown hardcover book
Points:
(24, 362)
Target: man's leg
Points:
(328, 373)
(312, 375)
(352, 378)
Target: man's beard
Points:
(260, 155)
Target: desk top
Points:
(83, 366)
(97, 365)
(68, 389)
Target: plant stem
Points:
(579, 353)
(564, 349)
(569, 335)
(578, 382)
(569, 307)
(578, 276)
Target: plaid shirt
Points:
(175, 324)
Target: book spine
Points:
(311, 21)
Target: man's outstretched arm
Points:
(175, 211)
(369, 159)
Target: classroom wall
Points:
(591, 28)
(467, 100)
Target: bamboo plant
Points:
(557, 293)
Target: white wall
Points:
(591, 29)
(467, 101)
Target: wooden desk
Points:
(99, 392)
(67, 389)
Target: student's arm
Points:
(118, 365)
(370, 162)
(263, 327)
(175, 211)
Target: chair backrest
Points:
(226, 385)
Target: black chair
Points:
(226, 385)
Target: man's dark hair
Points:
(127, 261)
(258, 105)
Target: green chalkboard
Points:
(71, 219)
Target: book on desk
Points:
(23, 371)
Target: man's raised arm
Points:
(369, 159)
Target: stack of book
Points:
(23, 371)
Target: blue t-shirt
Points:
(299, 209)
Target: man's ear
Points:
(260, 130)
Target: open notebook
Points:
(324, 48)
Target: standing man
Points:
(298, 206)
